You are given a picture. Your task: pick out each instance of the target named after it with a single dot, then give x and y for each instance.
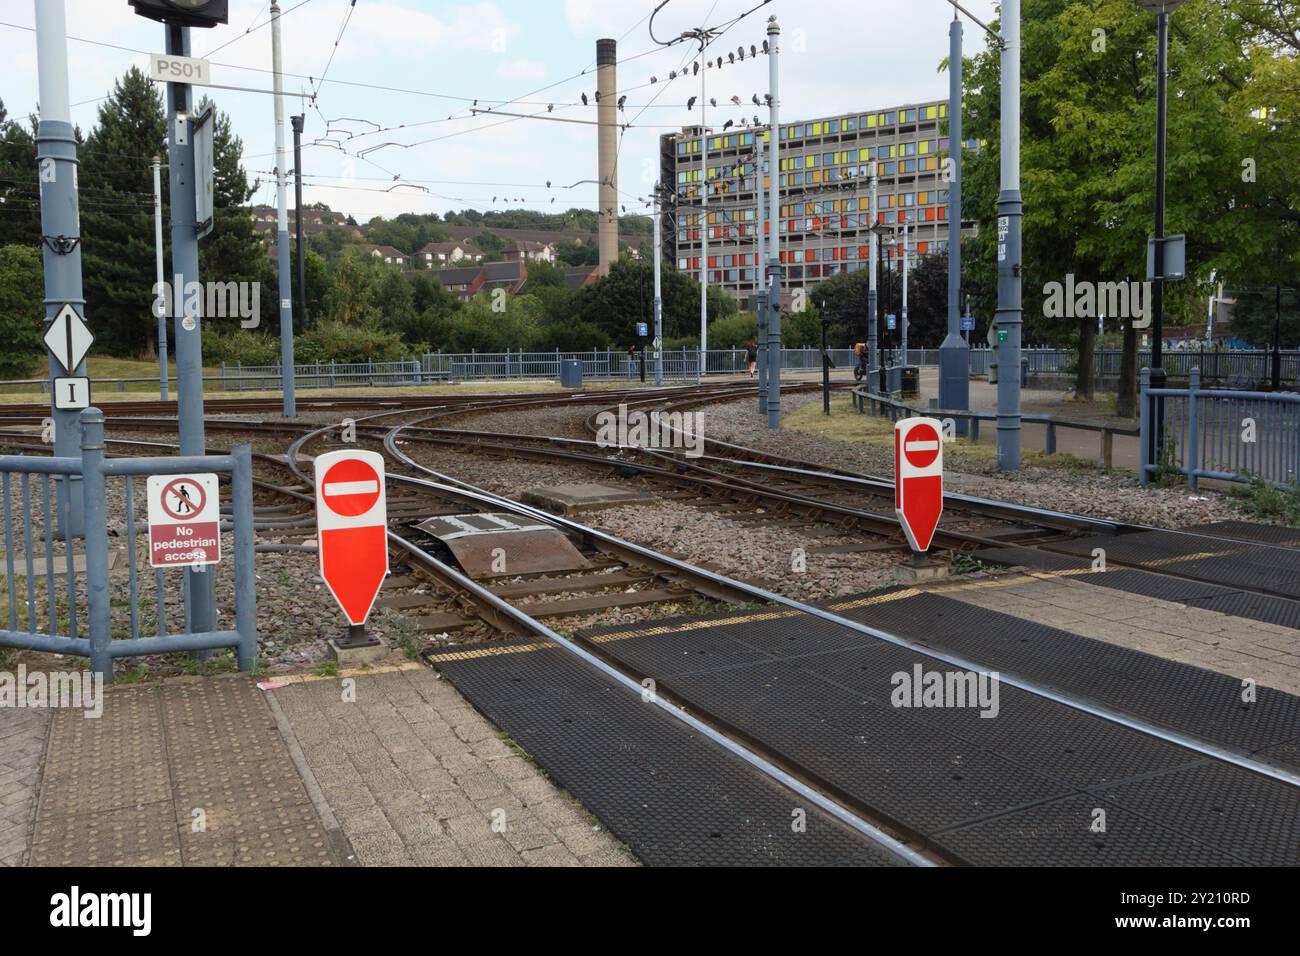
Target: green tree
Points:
(116, 196)
(20, 217)
(22, 311)
(1087, 155)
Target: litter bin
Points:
(909, 380)
(571, 373)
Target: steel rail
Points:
(760, 763)
(504, 609)
(449, 485)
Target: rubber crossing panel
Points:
(1251, 566)
(983, 790)
(673, 796)
(1252, 606)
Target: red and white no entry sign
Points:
(352, 526)
(351, 487)
(184, 520)
(918, 478)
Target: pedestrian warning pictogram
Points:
(184, 520)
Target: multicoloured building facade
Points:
(824, 184)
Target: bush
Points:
(240, 347)
(733, 332)
(339, 342)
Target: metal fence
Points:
(87, 614)
(1216, 433)
(1232, 367)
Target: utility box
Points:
(571, 373)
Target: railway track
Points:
(443, 599)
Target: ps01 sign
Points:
(167, 68)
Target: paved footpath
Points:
(22, 749)
(414, 775)
(382, 767)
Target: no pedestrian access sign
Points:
(918, 478)
(184, 520)
(352, 527)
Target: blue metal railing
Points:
(1218, 433)
(88, 598)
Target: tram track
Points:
(421, 486)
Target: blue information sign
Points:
(968, 323)
(891, 322)
(642, 329)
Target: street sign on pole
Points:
(166, 68)
(72, 394)
(918, 478)
(352, 526)
(203, 130)
(184, 520)
(968, 323)
(68, 338)
(891, 322)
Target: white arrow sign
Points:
(68, 338)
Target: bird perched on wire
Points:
(598, 96)
(584, 99)
(654, 79)
(621, 100)
(690, 104)
(765, 47)
(672, 74)
(731, 58)
(727, 125)
(736, 100)
(550, 107)
(757, 102)
(696, 71)
(753, 50)
(713, 102)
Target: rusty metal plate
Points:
(500, 545)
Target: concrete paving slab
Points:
(438, 787)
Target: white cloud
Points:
(523, 69)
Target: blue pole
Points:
(187, 332)
(56, 163)
(954, 352)
(99, 610)
(774, 255)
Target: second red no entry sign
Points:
(352, 527)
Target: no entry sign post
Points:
(918, 479)
(352, 534)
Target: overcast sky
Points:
(432, 58)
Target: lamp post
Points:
(1162, 9)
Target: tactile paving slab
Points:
(674, 797)
(190, 772)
